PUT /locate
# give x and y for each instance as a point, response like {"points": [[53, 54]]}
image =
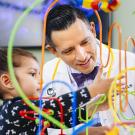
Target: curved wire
{"points": [[43, 42]]}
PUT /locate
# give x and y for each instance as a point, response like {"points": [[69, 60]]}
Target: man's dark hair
{"points": [[62, 17]]}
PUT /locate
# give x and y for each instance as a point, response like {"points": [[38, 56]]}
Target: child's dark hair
{"points": [[17, 52], [16, 62]]}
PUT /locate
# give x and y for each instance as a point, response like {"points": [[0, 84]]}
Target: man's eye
{"points": [[85, 43], [68, 52]]}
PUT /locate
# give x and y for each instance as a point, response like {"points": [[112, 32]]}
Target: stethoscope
{"points": [[52, 91]]}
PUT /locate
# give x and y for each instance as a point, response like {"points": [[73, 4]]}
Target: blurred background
{"points": [[29, 34]]}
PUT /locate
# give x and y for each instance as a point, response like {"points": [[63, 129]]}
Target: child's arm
{"points": [[16, 106], [82, 97]]}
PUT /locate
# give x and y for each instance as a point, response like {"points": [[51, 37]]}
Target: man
{"points": [[69, 38]]}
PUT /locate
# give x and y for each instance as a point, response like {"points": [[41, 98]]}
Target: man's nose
{"points": [[80, 54]]}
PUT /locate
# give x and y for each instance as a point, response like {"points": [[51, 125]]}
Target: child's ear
{"points": [[5, 81]]}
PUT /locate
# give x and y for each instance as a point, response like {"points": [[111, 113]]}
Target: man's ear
{"points": [[5, 81], [52, 50]]}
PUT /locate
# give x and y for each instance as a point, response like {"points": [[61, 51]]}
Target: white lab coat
{"points": [[63, 75]]}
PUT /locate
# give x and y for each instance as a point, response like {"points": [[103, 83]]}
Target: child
{"points": [[27, 72]]}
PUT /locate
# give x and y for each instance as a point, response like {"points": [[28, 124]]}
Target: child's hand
{"points": [[100, 85]]}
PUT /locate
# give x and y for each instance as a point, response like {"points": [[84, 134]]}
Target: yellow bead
{"points": [[46, 123], [114, 131], [104, 6], [86, 3]]}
